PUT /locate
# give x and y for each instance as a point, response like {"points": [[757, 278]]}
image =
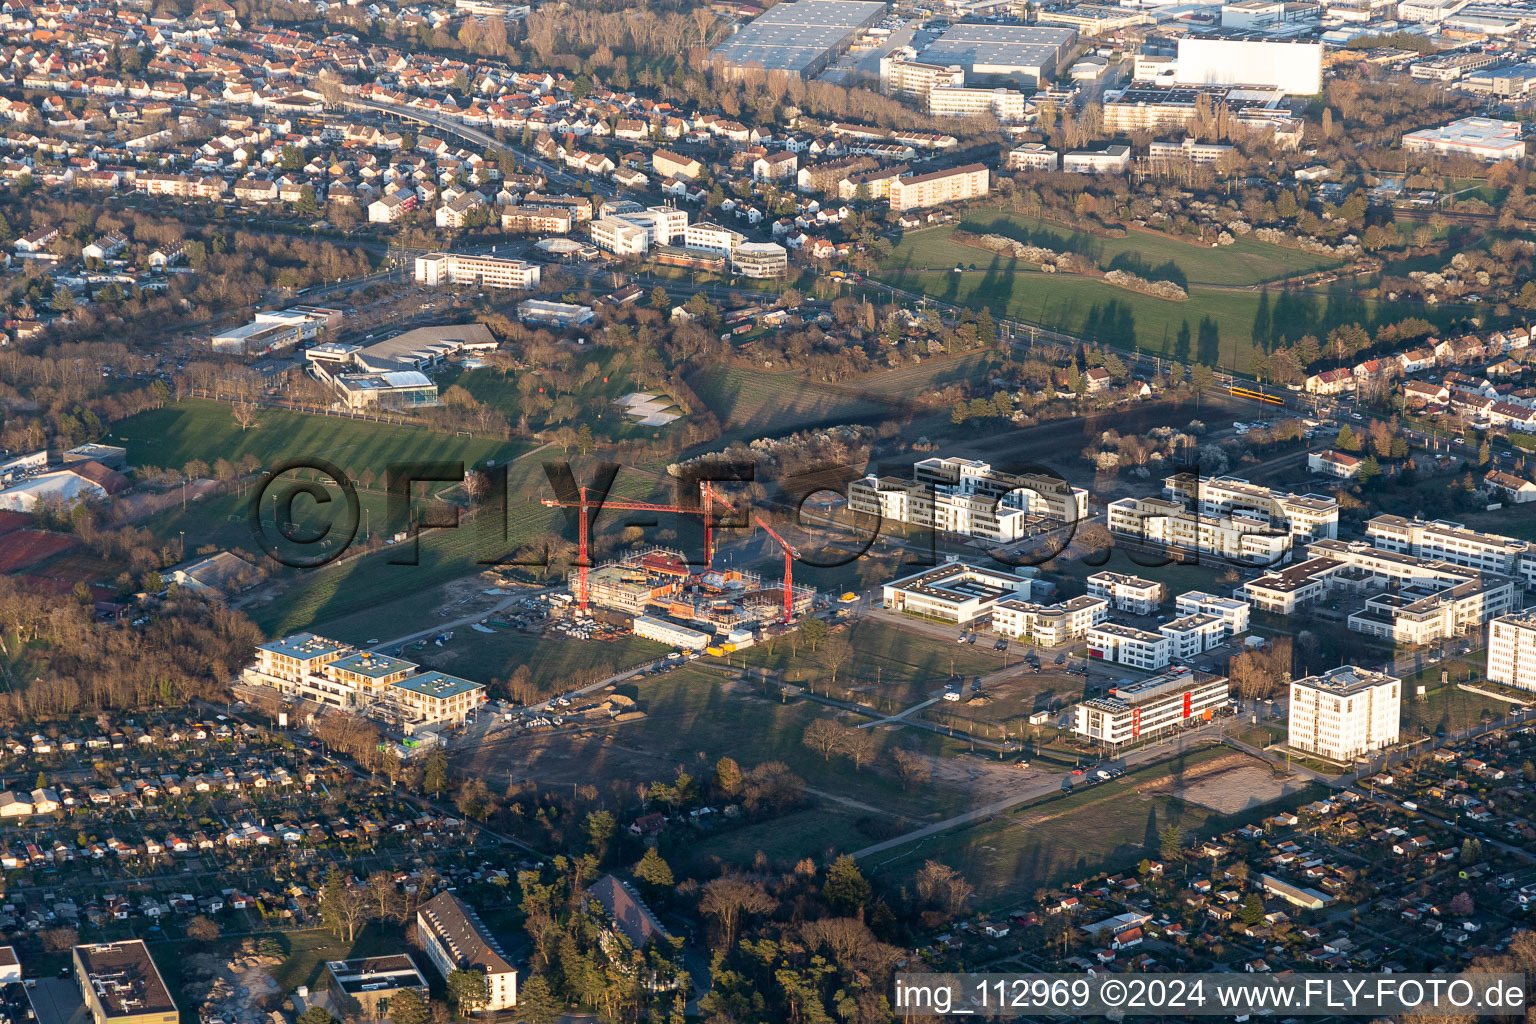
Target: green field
{"points": [[761, 403], [196, 429], [890, 663], [1214, 326], [554, 661], [1109, 826], [1245, 262]]}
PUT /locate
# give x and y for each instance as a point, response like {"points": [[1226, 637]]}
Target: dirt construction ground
{"points": [[1226, 785]]}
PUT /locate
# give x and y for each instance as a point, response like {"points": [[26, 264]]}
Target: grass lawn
{"points": [[1214, 326], [760, 403], [695, 715], [555, 661], [196, 429], [1107, 826], [1446, 709], [817, 832], [889, 662], [1247, 261]]}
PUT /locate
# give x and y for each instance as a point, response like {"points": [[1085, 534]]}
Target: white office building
{"points": [[1193, 635], [1049, 625], [1233, 613], [712, 238], [1126, 593], [463, 270], [953, 592], [620, 237], [663, 225], [1448, 542], [1150, 708], [1127, 645], [1345, 713], [1294, 66], [1512, 651]]}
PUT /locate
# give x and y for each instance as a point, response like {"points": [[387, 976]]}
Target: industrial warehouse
{"points": [[799, 38]]}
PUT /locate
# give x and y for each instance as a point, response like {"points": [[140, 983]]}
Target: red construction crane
{"points": [[789, 570], [584, 522]]}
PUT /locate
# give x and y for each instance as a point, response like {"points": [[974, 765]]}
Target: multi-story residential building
{"points": [[967, 497], [712, 238], [180, 186], [1126, 593], [333, 674], [1169, 526], [1307, 517], [455, 939], [1049, 625], [1127, 645], [1048, 496], [1512, 651], [1448, 542], [536, 220], [1150, 708], [953, 592], [911, 79], [936, 187], [1033, 156], [619, 237], [1233, 613], [670, 165], [760, 260], [1193, 635], [663, 225], [121, 984], [460, 269], [1344, 713], [1409, 600], [959, 101]]}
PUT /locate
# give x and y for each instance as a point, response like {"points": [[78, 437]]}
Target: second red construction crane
{"points": [[789, 570], [585, 515]]}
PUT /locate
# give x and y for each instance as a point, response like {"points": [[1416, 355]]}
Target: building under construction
{"points": [[660, 582]]}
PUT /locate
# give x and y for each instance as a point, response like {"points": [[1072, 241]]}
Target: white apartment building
{"points": [[390, 689], [1114, 159], [966, 497], [1233, 613], [712, 238], [663, 225], [913, 79], [1408, 600], [969, 497], [1448, 542], [1166, 524], [760, 260], [953, 592], [462, 270], [1033, 156], [1345, 713], [1512, 651], [1127, 645], [620, 237], [1150, 708], [1307, 517], [953, 185], [455, 939], [1193, 635], [1126, 593], [1049, 625], [959, 101]]}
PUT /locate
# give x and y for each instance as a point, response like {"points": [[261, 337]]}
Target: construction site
{"points": [[659, 595]]}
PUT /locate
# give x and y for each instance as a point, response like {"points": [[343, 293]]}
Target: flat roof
{"points": [[376, 973], [304, 646], [375, 666], [1025, 47], [438, 684], [959, 581], [1346, 679], [793, 36], [124, 978]]}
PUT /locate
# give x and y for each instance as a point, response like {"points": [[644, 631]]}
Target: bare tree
{"points": [[822, 736], [729, 900]]}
